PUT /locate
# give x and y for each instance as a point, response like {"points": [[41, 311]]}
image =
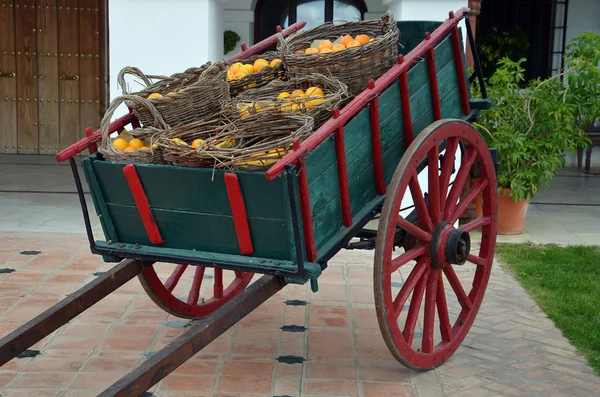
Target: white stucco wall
{"points": [[162, 40]]}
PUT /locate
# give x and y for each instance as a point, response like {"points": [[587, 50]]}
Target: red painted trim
{"points": [[362, 99], [261, 46], [406, 114], [240, 217], [309, 237], [340, 154], [93, 147], [433, 81], [462, 79], [142, 204], [244, 47], [135, 123], [84, 143], [376, 143]]}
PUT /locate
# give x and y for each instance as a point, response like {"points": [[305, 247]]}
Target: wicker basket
{"points": [[354, 66], [252, 143], [335, 92], [194, 95], [148, 134], [258, 79]]}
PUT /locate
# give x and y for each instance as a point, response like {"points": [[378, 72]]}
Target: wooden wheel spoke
{"points": [[476, 224], [442, 309], [420, 205], [447, 166], [416, 231], [218, 287], [461, 295], [413, 310], [172, 281], [460, 180], [434, 184], [411, 282], [408, 256], [457, 211], [429, 314], [477, 260], [196, 284]]}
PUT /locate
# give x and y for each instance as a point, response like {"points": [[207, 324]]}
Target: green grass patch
{"points": [[565, 283]]}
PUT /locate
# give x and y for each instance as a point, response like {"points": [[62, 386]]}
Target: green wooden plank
{"points": [[96, 192], [204, 232], [192, 189], [311, 270]]}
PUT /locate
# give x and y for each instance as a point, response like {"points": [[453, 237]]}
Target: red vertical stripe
{"points": [[406, 114], [309, 238], [433, 82], [462, 79], [376, 143], [340, 154], [93, 146], [240, 217], [143, 206]]}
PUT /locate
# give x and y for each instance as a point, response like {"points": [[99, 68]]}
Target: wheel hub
{"points": [[449, 246]]}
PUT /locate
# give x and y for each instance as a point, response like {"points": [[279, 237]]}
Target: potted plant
{"points": [[535, 126]]}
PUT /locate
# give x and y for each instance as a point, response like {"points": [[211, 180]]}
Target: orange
{"points": [[325, 44], [154, 95], [346, 39], [120, 143], [311, 50], [297, 93], [353, 43], [275, 62], [283, 95], [247, 68], [325, 50], [136, 143], [129, 149], [362, 38], [314, 102], [314, 91], [338, 47], [197, 142], [240, 75], [230, 75], [235, 67], [259, 64]]}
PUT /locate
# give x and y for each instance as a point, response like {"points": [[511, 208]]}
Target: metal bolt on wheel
{"points": [[444, 268]]}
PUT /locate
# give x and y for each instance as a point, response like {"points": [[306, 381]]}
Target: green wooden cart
{"points": [[221, 227]]}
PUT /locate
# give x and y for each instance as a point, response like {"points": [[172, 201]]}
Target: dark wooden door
{"points": [[50, 65]]}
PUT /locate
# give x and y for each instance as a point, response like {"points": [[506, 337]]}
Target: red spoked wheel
{"points": [[437, 264], [195, 297]]}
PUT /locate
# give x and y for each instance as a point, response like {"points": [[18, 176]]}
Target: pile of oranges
{"points": [[347, 41], [287, 102], [239, 70], [134, 144]]}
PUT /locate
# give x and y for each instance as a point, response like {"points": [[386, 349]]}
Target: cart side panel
{"points": [[412, 33], [191, 208], [322, 163]]}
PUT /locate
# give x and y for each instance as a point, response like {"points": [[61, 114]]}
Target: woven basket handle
{"points": [[387, 21], [132, 70], [105, 123]]}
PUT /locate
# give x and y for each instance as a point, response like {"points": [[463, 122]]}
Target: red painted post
{"points": [[142, 204], [376, 142], [405, 102], [244, 47], [93, 147], [462, 79], [238, 210], [433, 82], [309, 238], [340, 154]]}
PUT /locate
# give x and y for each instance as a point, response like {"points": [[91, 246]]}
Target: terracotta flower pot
{"points": [[511, 214], [477, 201]]}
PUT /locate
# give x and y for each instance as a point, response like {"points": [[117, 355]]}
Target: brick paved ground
{"points": [[512, 350]]}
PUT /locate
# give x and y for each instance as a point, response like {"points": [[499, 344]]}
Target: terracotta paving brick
{"points": [[513, 349]]}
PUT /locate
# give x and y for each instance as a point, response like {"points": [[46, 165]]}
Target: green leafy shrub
{"points": [[533, 127]]}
